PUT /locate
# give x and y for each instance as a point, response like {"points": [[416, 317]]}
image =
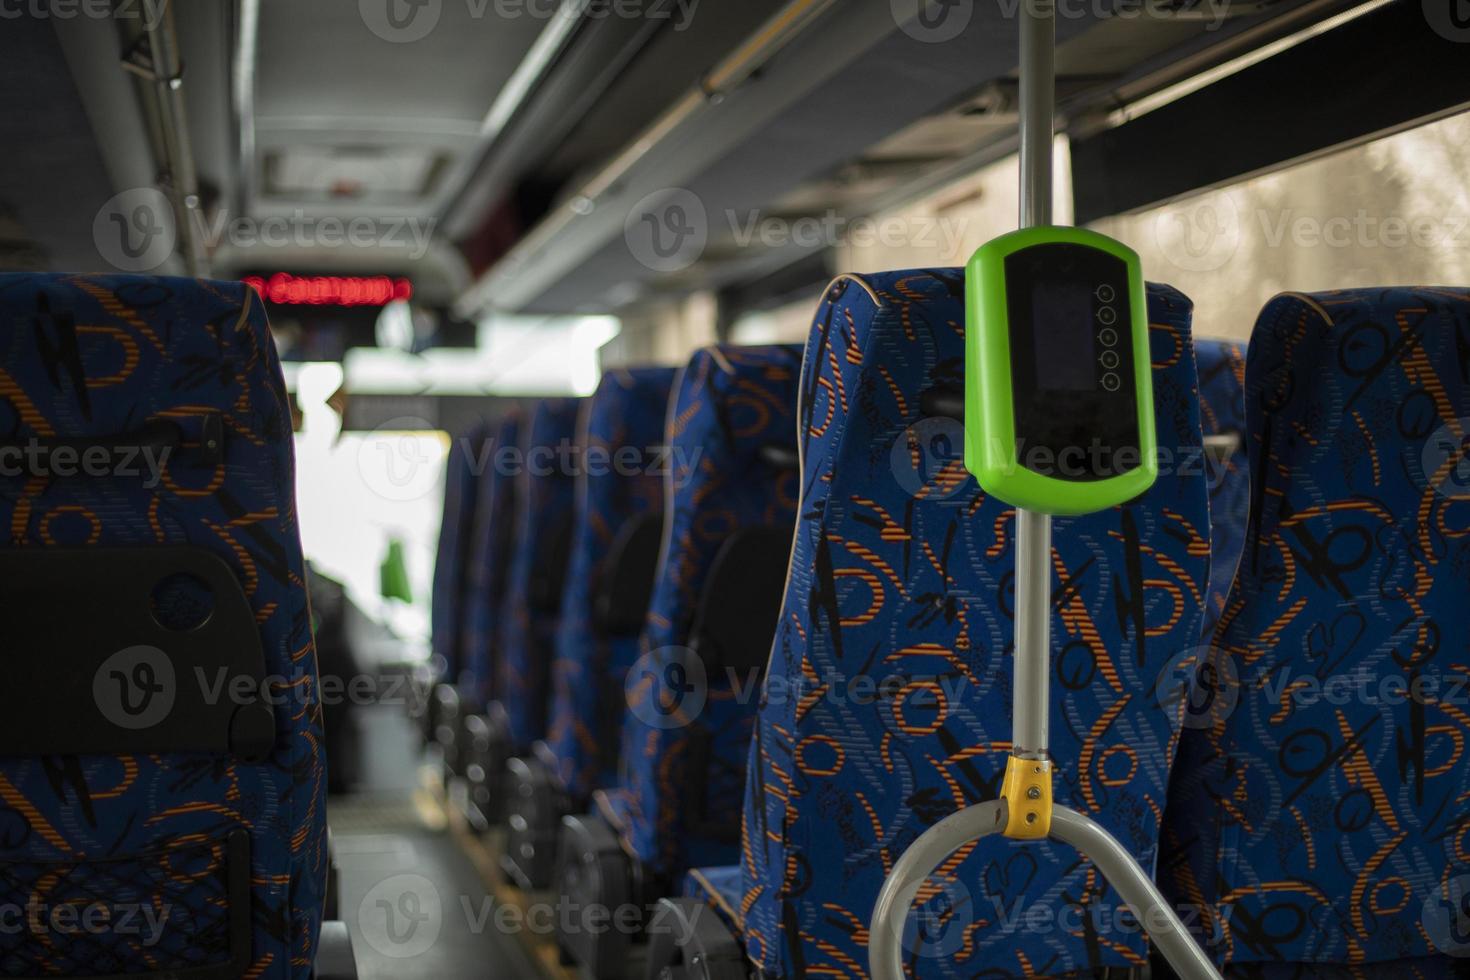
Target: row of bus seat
{"points": [[667, 559], [911, 588], [732, 497], [610, 570], [906, 583], [1298, 831], [1310, 835], [662, 755], [1315, 834]]}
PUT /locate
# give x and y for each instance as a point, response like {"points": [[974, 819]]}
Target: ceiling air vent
{"points": [[359, 173]]}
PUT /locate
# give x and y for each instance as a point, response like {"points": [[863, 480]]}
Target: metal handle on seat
{"points": [[935, 845], [924, 855]]}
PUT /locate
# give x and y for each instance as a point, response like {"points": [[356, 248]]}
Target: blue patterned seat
{"points": [[730, 502], [887, 705], [433, 691], [626, 415], [1318, 813], [732, 406], [532, 605], [452, 559], [1222, 414], [489, 544], [91, 360], [620, 493], [457, 711]]}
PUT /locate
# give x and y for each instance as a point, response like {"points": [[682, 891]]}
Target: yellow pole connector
{"points": [[1027, 792]]}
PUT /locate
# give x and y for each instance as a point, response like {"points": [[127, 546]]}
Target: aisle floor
{"points": [[416, 908]]}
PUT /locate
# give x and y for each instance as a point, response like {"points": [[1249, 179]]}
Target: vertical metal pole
{"points": [[1033, 531], [1038, 99], [1032, 655]]}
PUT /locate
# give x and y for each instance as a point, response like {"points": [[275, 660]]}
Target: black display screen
{"points": [[1072, 371], [1067, 347]]}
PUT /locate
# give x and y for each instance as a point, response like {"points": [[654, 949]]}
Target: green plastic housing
{"points": [[990, 436]]}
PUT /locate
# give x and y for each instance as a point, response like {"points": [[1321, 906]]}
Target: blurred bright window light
{"points": [[516, 355], [357, 491], [316, 381]]}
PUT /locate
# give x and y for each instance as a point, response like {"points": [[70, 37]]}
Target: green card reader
{"points": [[1061, 420]]}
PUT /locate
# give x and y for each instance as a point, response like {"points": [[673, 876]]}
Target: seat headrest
{"points": [[745, 414]]}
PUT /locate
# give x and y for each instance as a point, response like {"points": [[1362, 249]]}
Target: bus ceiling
{"points": [[496, 160]]}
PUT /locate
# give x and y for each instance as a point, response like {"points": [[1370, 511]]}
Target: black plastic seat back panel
{"points": [[93, 670], [741, 601], [626, 583]]}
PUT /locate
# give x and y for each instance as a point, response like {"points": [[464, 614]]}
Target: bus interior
{"points": [[745, 490]]}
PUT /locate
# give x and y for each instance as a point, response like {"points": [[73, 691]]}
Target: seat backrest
{"points": [[619, 483], [731, 433], [887, 705], [490, 546], [158, 508], [1222, 414], [546, 473], [452, 560], [1318, 810]]}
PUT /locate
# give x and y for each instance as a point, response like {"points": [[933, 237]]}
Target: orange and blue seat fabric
{"points": [[622, 481], [1318, 816], [491, 536], [545, 497], [887, 704], [86, 358], [449, 590], [731, 405]]}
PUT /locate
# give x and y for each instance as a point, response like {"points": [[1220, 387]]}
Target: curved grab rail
{"points": [[935, 845], [924, 855]]}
